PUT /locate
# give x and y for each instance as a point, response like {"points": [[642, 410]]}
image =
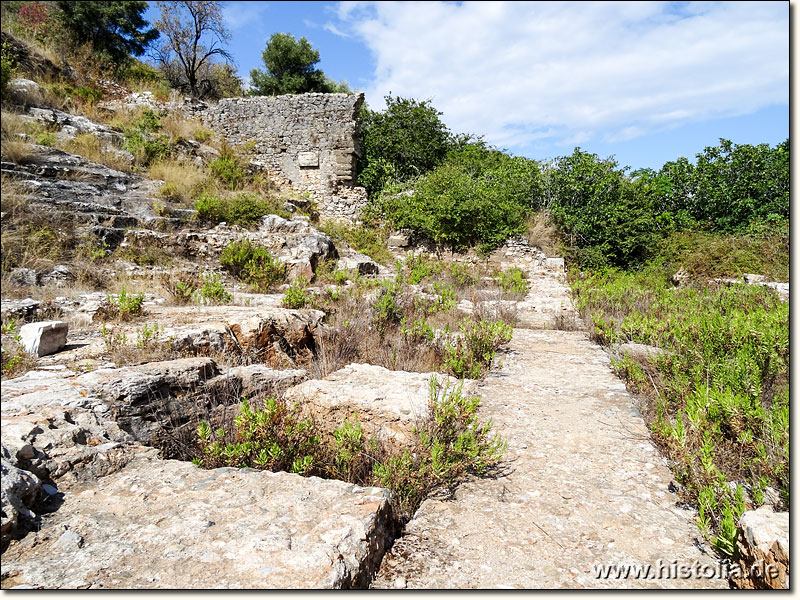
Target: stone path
{"points": [[583, 487]]}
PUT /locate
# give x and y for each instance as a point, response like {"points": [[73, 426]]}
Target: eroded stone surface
{"points": [[583, 486], [388, 403], [168, 524], [763, 550]]}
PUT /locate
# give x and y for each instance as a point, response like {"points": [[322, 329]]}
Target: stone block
{"points": [[308, 159], [168, 524], [557, 264], [43, 338]]}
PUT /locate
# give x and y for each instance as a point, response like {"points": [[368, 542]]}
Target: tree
{"points": [[406, 140], [194, 34], [116, 29], [290, 69]]}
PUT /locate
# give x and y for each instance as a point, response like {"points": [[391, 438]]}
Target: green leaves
{"points": [[290, 69]]}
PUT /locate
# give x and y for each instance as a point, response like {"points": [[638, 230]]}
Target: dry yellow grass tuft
{"points": [[183, 181], [543, 234]]}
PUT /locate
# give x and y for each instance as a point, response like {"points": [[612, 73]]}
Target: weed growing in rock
{"points": [[229, 168], [470, 354], [367, 240], [124, 307], [274, 438], [143, 140], [296, 295], [513, 282], [244, 209], [253, 264], [449, 444], [211, 291]]}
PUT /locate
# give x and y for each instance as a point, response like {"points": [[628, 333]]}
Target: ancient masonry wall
{"points": [[305, 141]]}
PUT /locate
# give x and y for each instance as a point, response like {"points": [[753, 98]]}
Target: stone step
{"points": [[171, 525]]}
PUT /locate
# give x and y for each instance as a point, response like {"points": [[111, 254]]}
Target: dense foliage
{"points": [[117, 29], [477, 196], [290, 69], [406, 140]]}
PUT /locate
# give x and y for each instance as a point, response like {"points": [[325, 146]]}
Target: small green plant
{"points": [[7, 65], [296, 295], [253, 264], [229, 168], [202, 135], [143, 140], [273, 438], [147, 335], [212, 291], [471, 354], [9, 327], [513, 281], [244, 208], [387, 308], [125, 306]]}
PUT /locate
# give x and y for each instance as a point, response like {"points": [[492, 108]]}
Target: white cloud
{"points": [[239, 13], [522, 71]]}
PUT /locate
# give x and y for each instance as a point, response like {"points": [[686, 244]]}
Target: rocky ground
{"points": [[95, 494]]}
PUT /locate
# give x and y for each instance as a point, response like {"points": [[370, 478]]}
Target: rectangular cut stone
{"points": [[168, 524], [390, 403], [308, 159], [43, 338]]}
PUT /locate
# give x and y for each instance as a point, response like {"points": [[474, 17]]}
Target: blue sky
{"points": [[643, 81]]}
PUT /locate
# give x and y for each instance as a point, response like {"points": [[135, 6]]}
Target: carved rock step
{"points": [[390, 403], [168, 524]]}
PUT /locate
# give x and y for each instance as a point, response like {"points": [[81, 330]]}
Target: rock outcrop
{"points": [[170, 525], [763, 550]]}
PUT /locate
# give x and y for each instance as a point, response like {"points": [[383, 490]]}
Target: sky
{"points": [[645, 82]]}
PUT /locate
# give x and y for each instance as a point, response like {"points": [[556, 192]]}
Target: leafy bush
{"points": [[229, 168], [449, 445], [273, 438], [478, 196], [253, 264], [143, 140], [471, 354], [212, 291], [296, 295], [244, 208], [403, 142]]}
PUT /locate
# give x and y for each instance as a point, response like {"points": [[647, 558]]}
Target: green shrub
{"points": [[244, 209], [449, 445], [273, 438], [253, 264], [202, 135], [471, 354], [387, 308], [212, 291], [229, 168], [718, 399], [125, 306], [477, 196], [143, 140], [296, 295], [513, 281], [7, 64]]}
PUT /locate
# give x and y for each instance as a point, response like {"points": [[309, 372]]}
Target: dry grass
{"points": [[183, 181], [543, 234], [94, 149], [178, 127]]}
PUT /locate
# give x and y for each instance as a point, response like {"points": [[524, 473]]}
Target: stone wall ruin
{"points": [[307, 142]]}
